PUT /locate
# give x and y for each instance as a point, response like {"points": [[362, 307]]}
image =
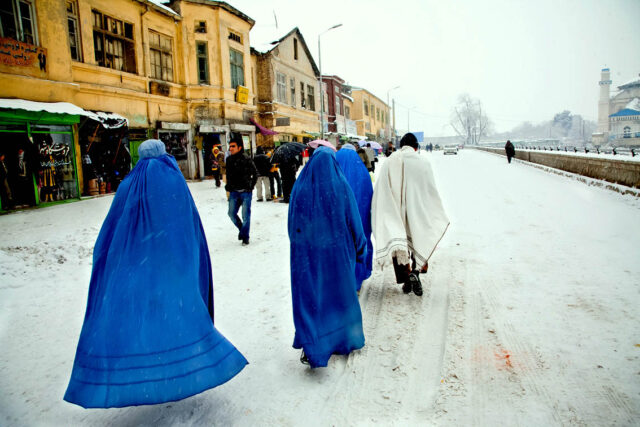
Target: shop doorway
{"points": [[176, 144]]}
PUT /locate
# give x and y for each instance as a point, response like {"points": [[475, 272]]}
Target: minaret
{"points": [[604, 103]]}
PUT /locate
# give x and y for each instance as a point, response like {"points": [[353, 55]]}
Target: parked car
{"points": [[450, 149]]}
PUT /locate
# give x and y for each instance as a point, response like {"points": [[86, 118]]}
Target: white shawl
{"points": [[406, 210]]}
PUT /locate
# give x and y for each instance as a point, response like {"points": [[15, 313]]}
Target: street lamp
{"points": [[393, 125], [321, 92]]}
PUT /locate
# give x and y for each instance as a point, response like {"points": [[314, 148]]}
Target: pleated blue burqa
{"points": [[359, 179], [327, 240], [148, 334]]}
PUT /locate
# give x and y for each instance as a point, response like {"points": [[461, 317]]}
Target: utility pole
{"points": [[393, 126]]}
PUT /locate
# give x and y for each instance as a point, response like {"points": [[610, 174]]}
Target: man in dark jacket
{"points": [[241, 178], [510, 150], [5, 190], [263, 164]]}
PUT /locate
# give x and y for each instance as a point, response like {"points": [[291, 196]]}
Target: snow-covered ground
{"points": [[530, 314]]}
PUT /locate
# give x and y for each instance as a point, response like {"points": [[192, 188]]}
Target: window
{"points": [[366, 108], [203, 63], [281, 82], [235, 37], [627, 132], [302, 100], [113, 43], [311, 102], [337, 110], [295, 49], [161, 56], [74, 30], [378, 114], [17, 21], [201, 27], [292, 88], [237, 68], [347, 112]]}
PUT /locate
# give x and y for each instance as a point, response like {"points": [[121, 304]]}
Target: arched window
{"points": [[627, 132]]}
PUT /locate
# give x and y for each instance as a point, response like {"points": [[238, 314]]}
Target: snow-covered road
{"points": [[530, 314]]}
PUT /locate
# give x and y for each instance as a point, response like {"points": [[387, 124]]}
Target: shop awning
{"points": [[263, 130], [108, 120]]}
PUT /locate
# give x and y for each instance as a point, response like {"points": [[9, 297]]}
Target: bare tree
{"points": [[469, 120]]}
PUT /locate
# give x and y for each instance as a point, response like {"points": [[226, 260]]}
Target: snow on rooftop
{"points": [[164, 6], [50, 107], [634, 105], [632, 82]]}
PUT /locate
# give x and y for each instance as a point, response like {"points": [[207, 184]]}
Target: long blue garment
{"points": [[148, 334], [358, 178], [326, 238]]}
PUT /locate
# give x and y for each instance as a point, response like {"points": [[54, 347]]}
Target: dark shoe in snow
{"points": [[260, 200], [245, 242], [417, 286], [239, 236], [303, 358], [406, 288]]}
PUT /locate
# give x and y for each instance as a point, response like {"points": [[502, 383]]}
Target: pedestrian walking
{"points": [[510, 150], [6, 199], [241, 179], [364, 157], [390, 149], [216, 159], [327, 241], [407, 215], [275, 176], [371, 156], [359, 180], [263, 165], [148, 335], [288, 170]]}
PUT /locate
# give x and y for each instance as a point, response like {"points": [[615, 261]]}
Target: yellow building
{"points": [[288, 101], [180, 72], [371, 115]]}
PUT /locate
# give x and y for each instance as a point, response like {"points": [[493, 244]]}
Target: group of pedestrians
{"points": [[148, 334]]}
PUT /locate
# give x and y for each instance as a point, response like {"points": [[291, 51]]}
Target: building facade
{"points": [[181, 73], [618, 113], [287, 88], [338, 106], [371, 115]]}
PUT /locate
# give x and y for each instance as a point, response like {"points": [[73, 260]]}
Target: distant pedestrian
{"points": [[148, 335], [327, 241], [371, 156], [274, 175], [390, 149], [5, 190], [364, 157], [216, 159], [241, 179], [263, 165], [510, 150], [359, 180], [288, 171], [407, 216]]}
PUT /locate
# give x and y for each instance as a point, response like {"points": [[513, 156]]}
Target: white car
{"points": [[450, 149]]}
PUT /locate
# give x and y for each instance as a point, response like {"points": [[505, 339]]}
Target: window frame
{"points": [[74, 16], [365, 107], [292, 90], [128, 44], [281, 87], [311, 99], [202, 56], [303, 101], [338, 110], [295, 49], [18, 22], [163, 50], [234, 66]]}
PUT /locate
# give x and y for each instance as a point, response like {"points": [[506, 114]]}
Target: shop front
{"points": [[178, 140], [39, 152]]}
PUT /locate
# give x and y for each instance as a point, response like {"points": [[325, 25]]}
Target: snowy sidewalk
{"points": [[529, 315]]}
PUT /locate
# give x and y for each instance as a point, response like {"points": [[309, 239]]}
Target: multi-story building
{"points": [[287, 87], [127, 69], [371, 115], [618, 114], [338, 105]]}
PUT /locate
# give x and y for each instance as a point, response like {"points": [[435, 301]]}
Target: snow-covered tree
{"points": [[469, 120]]}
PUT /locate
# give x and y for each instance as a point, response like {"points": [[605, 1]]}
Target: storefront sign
{"points": [[13, 52], [351, 127], [340, 124], [212, 129], [283, 121], [175, 126], [242, 94]]}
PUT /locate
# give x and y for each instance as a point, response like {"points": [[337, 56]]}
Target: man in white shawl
{"points": [[407, 216]]}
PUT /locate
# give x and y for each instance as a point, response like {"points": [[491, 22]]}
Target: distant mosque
{"points": [[618, 114]]}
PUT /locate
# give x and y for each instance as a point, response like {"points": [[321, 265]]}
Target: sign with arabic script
{"points": [[13, 52]]}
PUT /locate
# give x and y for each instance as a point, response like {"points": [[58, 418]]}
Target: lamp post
{"points": [[321, 91], [393, 130]]}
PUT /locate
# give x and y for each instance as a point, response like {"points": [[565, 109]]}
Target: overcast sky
{"points": [[524, 60]]}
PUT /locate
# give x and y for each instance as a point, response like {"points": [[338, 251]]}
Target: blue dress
{"points": [[359, 179], [326, 238], [148, 335]]}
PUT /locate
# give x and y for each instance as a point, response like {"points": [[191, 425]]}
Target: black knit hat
{"points": [[410, 140]]}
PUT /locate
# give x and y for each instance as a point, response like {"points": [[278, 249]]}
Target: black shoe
{"points": [[406, 288], [260, 200], [303, 358], [239, 236], [245, 242], [417, 286]]}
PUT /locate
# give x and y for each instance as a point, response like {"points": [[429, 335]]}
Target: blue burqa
{"points": [[358, 178], [148, 335], [326, 238]]}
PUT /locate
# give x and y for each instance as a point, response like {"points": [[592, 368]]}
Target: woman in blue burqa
{"points": [[359, 179], [327, 240], [148, 334]]}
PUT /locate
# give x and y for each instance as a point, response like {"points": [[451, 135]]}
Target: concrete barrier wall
{"points": [[617, 171]]}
